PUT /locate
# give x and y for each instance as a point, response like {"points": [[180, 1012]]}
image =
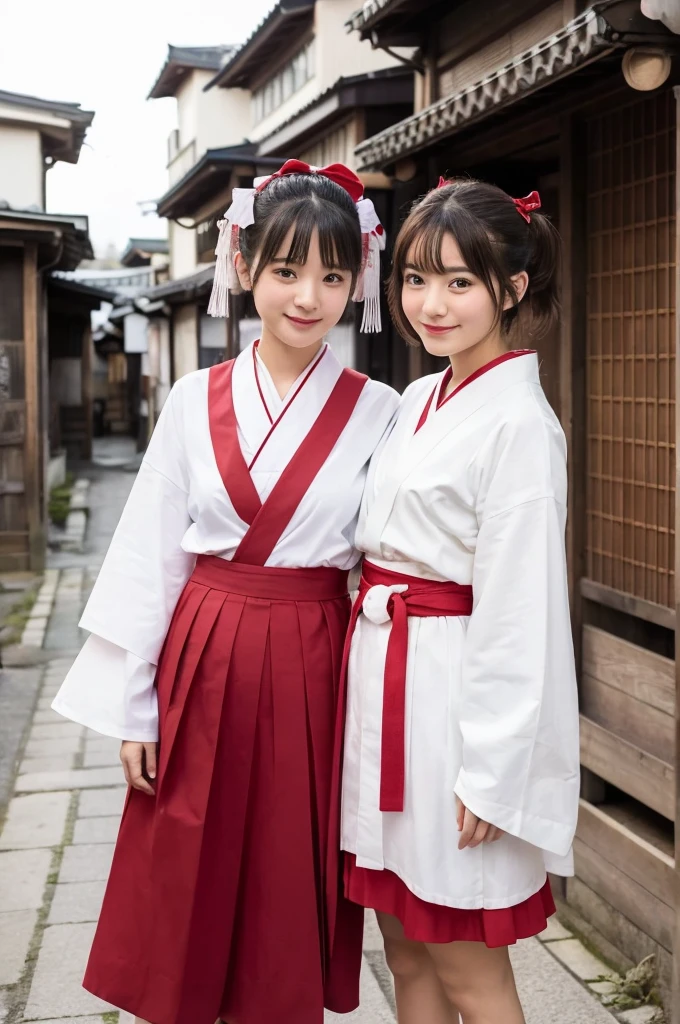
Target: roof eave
{"points": [[365, 20], [342, 97], [173, 203], [238, 72], [584, 40]]}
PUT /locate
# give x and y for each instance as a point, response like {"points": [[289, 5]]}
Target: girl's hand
{"points": [[473, 830], [139, 765]]}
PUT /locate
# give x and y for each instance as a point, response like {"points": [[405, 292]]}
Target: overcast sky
{"points": [[106, 57]]}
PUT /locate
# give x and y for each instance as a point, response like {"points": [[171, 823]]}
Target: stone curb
{"points": [[36, 625]]}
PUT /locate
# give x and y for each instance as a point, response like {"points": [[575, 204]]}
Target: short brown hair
{"points": [[496, 243]]}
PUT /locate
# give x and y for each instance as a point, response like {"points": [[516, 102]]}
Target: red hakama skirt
{"points": [[430, 922], [224, 897]]}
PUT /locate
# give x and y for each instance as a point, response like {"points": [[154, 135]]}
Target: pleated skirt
{"points": [[217, 902], [430, 922]]}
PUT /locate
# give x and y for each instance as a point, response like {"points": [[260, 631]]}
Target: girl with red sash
{"points": [[461, 757], [218, 621]]}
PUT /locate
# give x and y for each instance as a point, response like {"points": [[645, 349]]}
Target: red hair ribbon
{"points": [[338, 173], [526, 205], [442, 182]]}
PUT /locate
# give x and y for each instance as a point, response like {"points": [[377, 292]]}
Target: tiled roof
{"points": [[580, 41]]}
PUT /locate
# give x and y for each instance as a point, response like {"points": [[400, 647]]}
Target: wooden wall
{"points": [[631, 349], [13, 514], [623, 482]]}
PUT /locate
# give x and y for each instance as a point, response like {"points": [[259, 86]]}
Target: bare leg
{"points": [[419, 993], [479, 981]]}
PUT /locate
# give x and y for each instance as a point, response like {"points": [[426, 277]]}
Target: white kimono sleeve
{"points": [[518, 709], [110, 686]]}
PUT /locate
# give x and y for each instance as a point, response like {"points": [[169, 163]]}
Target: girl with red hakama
{"points": [[461, 764], [218, 621]]}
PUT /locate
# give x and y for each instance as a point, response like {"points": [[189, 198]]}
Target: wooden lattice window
{"points": [[631, 349]]}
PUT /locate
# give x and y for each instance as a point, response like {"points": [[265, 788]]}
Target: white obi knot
{"points": [[377, 599]]}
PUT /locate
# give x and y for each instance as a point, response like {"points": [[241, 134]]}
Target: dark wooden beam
{"points": [[86, 386], [33, 448], [591, 590], [675, 987], [572, 372]]}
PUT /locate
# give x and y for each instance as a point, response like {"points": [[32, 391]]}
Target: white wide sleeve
{"points": [[518, 708], [110, 686], [110, 690]]}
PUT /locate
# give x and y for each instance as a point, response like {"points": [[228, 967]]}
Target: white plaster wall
{"points": [[21, 167], [339, 53], [188, 96], [213, 119], [185, 340], [223, 116], [309, 91], [182, 250]]}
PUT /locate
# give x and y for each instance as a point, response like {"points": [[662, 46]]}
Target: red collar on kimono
{"points": [[446, 379], [275, 422]]}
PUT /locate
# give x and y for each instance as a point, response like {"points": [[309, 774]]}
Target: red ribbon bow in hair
{"points": [[338, 173], [526, 205]]}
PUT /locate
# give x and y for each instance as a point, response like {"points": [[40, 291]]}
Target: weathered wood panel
{"points": [[632, 670], [648, 866], [11, 292], [654, 917], [625, 944], [631, 719], [34, 470], [637, 773], [13, 519]]}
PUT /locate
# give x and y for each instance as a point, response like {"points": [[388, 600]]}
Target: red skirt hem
{"points": [[431, 922]]}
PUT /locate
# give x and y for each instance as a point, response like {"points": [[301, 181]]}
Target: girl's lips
{"points": [[432, 329], [303, 323]]}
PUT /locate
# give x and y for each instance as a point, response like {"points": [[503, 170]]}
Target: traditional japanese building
{"points": [[45, 343]]}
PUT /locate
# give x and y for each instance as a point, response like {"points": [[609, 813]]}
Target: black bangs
{"points": [[304, 203], [339, 236]]}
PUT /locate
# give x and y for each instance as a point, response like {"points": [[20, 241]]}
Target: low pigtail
{"points": [[543, 265]]}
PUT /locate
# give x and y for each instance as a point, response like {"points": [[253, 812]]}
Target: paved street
{"points": [[61, 823]]}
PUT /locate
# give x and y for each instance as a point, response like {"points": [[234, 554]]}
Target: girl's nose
{"points": [[306, 295], [434, 303]]}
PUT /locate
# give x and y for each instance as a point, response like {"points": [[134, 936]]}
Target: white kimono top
{"points": [[179, 508], [477, 496]]}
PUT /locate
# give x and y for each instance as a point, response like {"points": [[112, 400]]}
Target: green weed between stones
{"points": [[60, 501], [638, 987], [12, 626]]}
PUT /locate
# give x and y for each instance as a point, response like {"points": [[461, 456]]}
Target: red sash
{"points": [[422, 599], [268, 520]]}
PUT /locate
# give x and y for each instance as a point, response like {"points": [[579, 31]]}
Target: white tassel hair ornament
{"points": [[241, 214]]}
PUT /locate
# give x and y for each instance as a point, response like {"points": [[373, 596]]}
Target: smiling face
{"points": [[451, 312], [297, 302]]}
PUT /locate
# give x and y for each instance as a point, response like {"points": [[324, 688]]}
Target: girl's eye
{"points": [[333, 279], [413, 279], [461, 283], [285, 273]]}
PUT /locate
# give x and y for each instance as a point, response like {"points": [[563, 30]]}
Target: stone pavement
{"points": [[60, 827]]}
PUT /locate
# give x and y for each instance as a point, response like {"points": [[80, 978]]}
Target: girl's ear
{"points": [[243, 273], [520, 282]]}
